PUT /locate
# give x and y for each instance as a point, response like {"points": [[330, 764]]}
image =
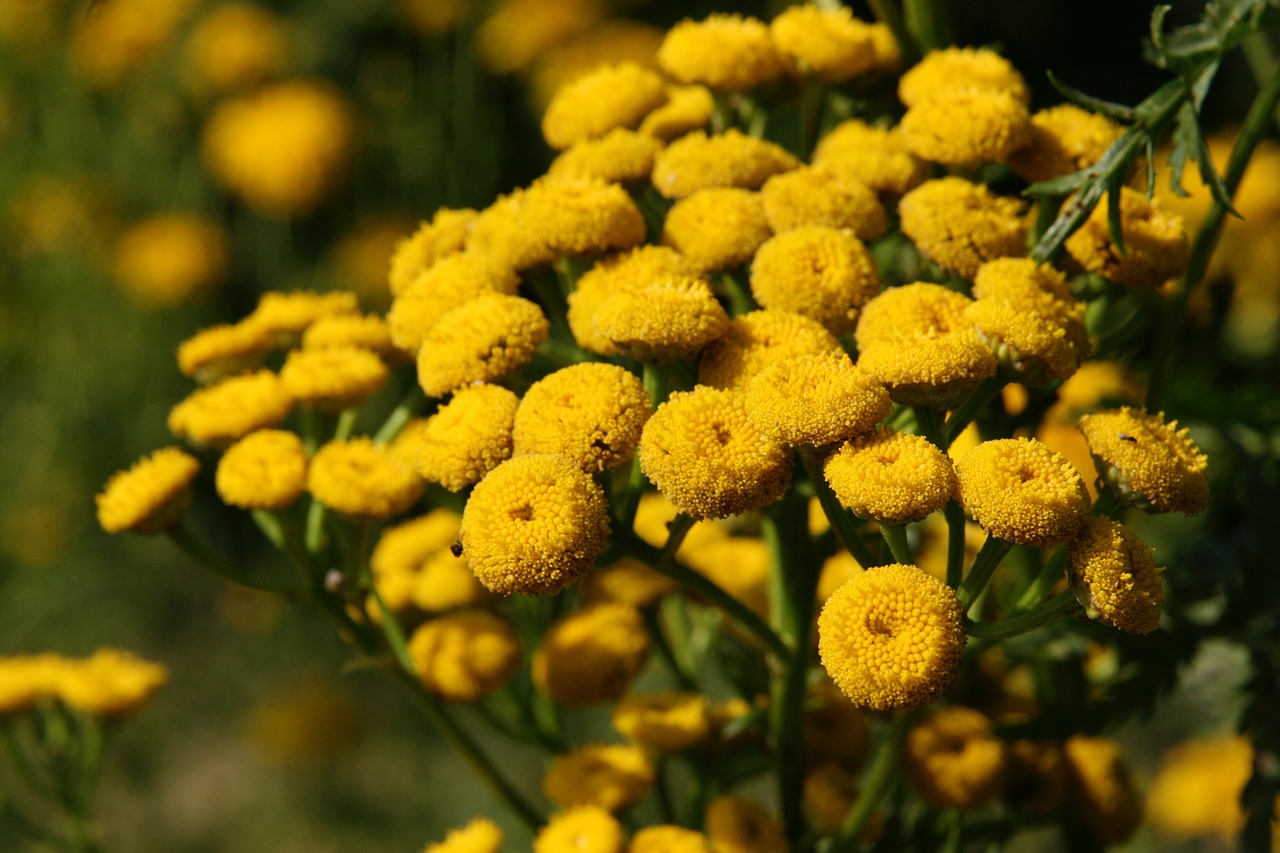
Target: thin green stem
{"points": [[812, 100], [184, 538], [964, 414], [888, 13], [1062, 604], [631, 497], [563, 354], [954, 515], [656, 382], [740, 300], [984, 566], [874, 785], [677, 529], [930, 424], [410, 404], [895, 536], [927, 21], [346, 424], [315, 538], [1046, 580], [660, 622], [841, 521]]}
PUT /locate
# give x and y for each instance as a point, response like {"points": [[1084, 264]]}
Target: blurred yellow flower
{"points": [[1116, 575], [368, 332], [332, 379], [413, 564], [613, 40], [967, 127], [605, 98], [445, 234], [668, 722], [465, 655], [738, 825], [113, 38], [722, 52], [669, 838], [829, 43], [169, 258], [876, 156], [611, 776], [819, 195], [149, 497], [110, 683], [942, 72], [1064, 139], [591, 656], [231, 408], [1196, 792], [581, 829], [1102, 788], [953, 760], [25, 680], [731, 159], [516, 32], [305, 720], [433, 18], [620, 156], [266, 469], [286, 316], [687, 108], [1156, 248], [236, 46], [225, 350], [481, 835]]}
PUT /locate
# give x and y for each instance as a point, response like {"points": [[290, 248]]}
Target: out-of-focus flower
{"points": [[585, 829], [229, 409], [738, 825], [170, 258], [1116, 576], [465, 655], [663, 721], [967, 127], [1102, 788], [876, 156], [109, 683], [481, 835], [953, 760], [610, 776], [305, 721], [266, 469], [1196, 792], [151, 496], [604, 99], [591, 656], [236, 46], [516, 32], [728, 52], [1064, 139], [828, 43], [942, 72], [731, 159], [1156, 249], [113, 38]]}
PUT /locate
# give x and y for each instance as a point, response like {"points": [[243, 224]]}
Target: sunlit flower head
{"points": [[893, 478], [413, 564], [891, 637], [151, 496], [731, 159], [465, 655], [960, 225], [1102, 788], [942, 72], [581, 829], [722, 52], [876, 156], [481, 340], [953, 760], [286, 315], [109, 683], [590, 414], [1147, 461], [231, 408], [1116, 576], [438, 289], [611, 41], [667, 722], [1196, 792], [1156, 249], [703, 452], [818, 195], [611, 776], [508, 231], [738, 825], [718, 228], [445, 234], [628, 582], [621, 156], [661, 320], [758, 338], [1064, 139], [223, 350], [582, 217], [599, 101], [333, 379], [818, 272], [828, 43], [266, 469], [613, 274], [467, 437], [363, 480], [591, 656], [481, 835], [236, 46], [967, 127], [669, 838], [169, 258], [687, 108], [815, 400], [1022, 492]]}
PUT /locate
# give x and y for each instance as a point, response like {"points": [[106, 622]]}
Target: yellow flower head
{"points": [[590, 414], [815, 400], [878, 157], [1096, 383], [224, 350], [722, 52], [1022, 492], [717, 228], [516, 32], [120, 36], [893, 478], [621, 156], [669, 838], [1102, 788], [817, 272], [687, 108], [943, 72], [582, 217], [481, 340], [481, 835], [1156, 250], [151, 496], [1064, 139], [909, 311], [731, 159], [830, 792], [109, 683], [236, 46], [287, 315], [891, 637], [757, 339], [967, 127], [438, 289], [334, 379], [828, 43], [363, 480], [582, 829], [1115, 574], [610, 275], [266, 469], [508, 231], [953, 760], [368, 332], [610, 776], [819, 195], [445, 234], [609, 97], [533, 525], [610, 41], [738, 825], [591, 656], [219, 414], [1148, 462], [414, 560], [282, 149], [1197, 791], [667, 722], [662, 320], [960, 225], [836, 569], [738, 564], [26, 679], [626, 582], [702, 450], [166, 259], [467, 437], [465, 655]]}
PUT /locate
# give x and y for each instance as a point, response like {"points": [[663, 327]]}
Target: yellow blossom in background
{"points": [[817, 195], [286, 316], [414, 562], [516, 32], [818, 272], [1196, 792], [668, 722], [815, 400], [110, 683], [830, 792], [266, 469], [717, 228], [662, 320], [231, 408], [113, 38], [620, 156], [687, 108], [306, 720], [836, 569], [433, 18], [942, 72], [450, 282], [1116, 576], [613, 40], [609, 97], [481, 835], [967, 127], [591, 656], [626, 582], [1147, 461], [722, 52], [368, 332], [25, 680], [1036, 778], [170, 258], [1064, 139], [481, 340], [611, 776], [758, 338], [225, 350], [893, 478], [953, 760], [150, 496], [48, 214], [829, 43], [465, 655], [876, 156], [443, 235], [235, 46], [731, 159], [669, 838], [1097, 384], [960, 225], [737, 564], [358, 261], [467, 437], [834, 729], [1156, 249], [27, 25], [363, 480], [1102, 788], [332, 379], [1022, 492], [738, 825]]}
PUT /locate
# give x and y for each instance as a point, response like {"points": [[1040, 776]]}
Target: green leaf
{"points": [[1183, 145], [1116, 112], [1115, 226], [1062, 185]]}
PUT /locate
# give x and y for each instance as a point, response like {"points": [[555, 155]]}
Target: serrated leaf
{"points": [[1116, 112], [1157, 26]]}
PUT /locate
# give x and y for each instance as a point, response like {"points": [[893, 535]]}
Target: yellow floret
{"points": [[364, 480], [435, 291], [1156, 250], [953, 760], [169, 258], [467, 437], [151, 496], [610, 275], [1196, 792], [818, 195], [224, 350], [1148, 462], [228, 410], [722, 51], [717, 228], [662, 320], [1102, 788], [609, 97], [669, 838], [620, 156], [817, 272], [1064, 139], [287, 315], [415, 560], [612, 777], [266, 469], [738, 825], [331, 380], [893, 478], [942, 72], [688, 108], [878, 157], [482, 339], [757, 339], [829, 43], [463, 656], [960, 225], [479, 836], [110, 683], [591, 656], [668, 722], [445, 234], [732, 159], [235, 46], [1115, 574], [368, 332], [967, 127], [583, 829], [508, 231], [815, 400], [1022, 492]]}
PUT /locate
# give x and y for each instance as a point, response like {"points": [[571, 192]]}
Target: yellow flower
{"points": [[1064, 139], [953, 760], [467, 437], [582, 829], [830, 792], [120, 36], [609, 97], [1156, 250], [465, 655], [829, 43], [669, 838], [718, 228], [151, 496], [610, 275], [1102, 788], [738, 825], [960, 225], [1196, 792], [229, 409], [582, 217], [1148, 462], [433, 18], [414, 559], [266, 469], [283, 149], [738, 564], [876, 156], [1022, 492], [757, 339], [967, 127], [358, 258], [731, 159], [236, 46], [620, 157], [110, 683], [287, 315], [438, 289], [445, 234], [610, 41], [516, 32], [479, 836], [334, 379], [628, 582], [836, 569], [818, 272], [722, 52], [610, 776], [1096, 383], [668, 722], [1115, 574], [819, 195], [368, 332], [534, 524], [167, 259], [662, 320], [481, 340], [891, 638], [703, 452], [815, 400], [893, 478], [591, 414], [688, 108], [942, 72], [591, 656], [224, 350], [363, 480], [27, 679], [509, 231]]}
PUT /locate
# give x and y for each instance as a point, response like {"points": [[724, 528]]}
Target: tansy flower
{"points": [[266, 469], [481, 340], [166, 259], [120, 36], [1036, 779], [591, 656], [109, 683], [817, 272], [669, 838], [703, 452], [287, 315], [334, 379], [891, 638], [590, 414], [687, 108], [815, 400], [967, 127], [953, 760], [1196, 792], [445, 234], [599, 101], [830, 792], [282, 149], [364, 480], [1022, 492], [664, 721], [358, 258], [467, 437], [817, 195], [1147, 461], [759, 338], [718, 228], [911, 310], [25, 680], [582, 217], [738, 825], [1030, 318], [722, 51], [438, 289], [481, 835], [1102, 788], [582, 829], [893, 478], [828, 43], [1064, 139], [533, 525], [508, 231], [609, 275], [1115, 575], [223, 350], [516, 32], [610, 776], [415, 558], [876, 156], [151, 496], [366, 331], [942, 72], [621, 156], [737, 564], [731, 159], [465, 655], [1156, 250], [960, 225], [626, 582], [663, 320], [231, 408], [236, 46], [610, 41]]}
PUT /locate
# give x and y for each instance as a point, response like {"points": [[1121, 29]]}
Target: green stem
{"points": [[984, 565], [887, 13], [314, 538], [660, 623], [740, 299], [656, 382], [969, 409], [954, 515], [930, 424], [410, 404], [895, 535], [841, 521], [873, 786], [631, 497], [346, 424], [1046, 580], [927, 21], [1062, 604], [563, 354], [811, 102], [182, 536]]}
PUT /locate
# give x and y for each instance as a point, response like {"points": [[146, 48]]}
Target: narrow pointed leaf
{"points": [[1114, 223], [1116, 112], [1061, 185]]}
